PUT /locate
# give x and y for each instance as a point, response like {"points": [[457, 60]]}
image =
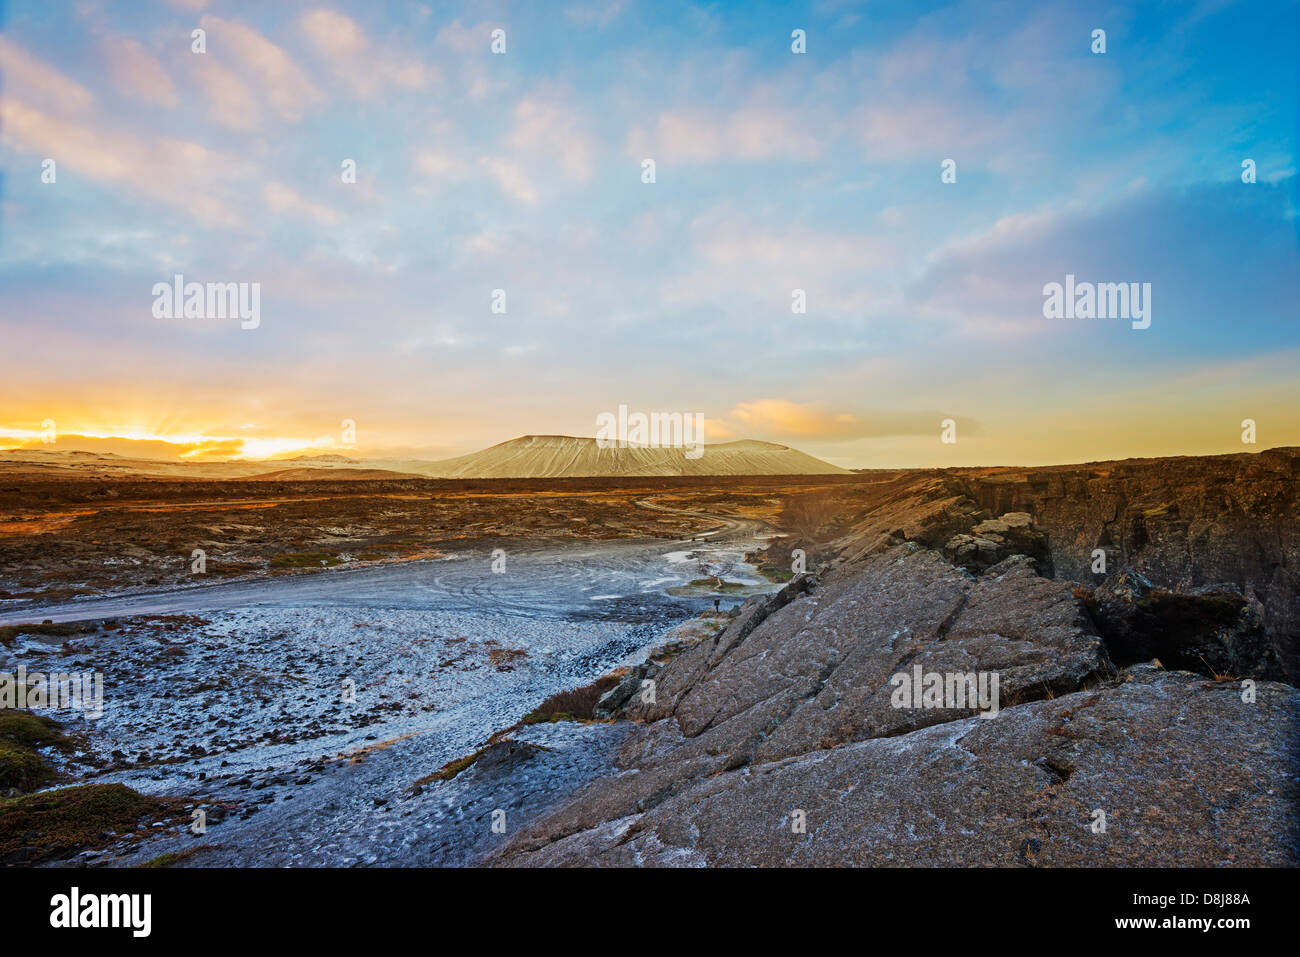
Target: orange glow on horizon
{"points": [[184, 447]]}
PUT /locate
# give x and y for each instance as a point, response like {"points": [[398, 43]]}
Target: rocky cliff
{"points": [[1181, 523], [953, 685]]}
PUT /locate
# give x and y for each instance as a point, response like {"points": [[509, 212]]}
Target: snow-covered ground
{"points": [[300, 712]]}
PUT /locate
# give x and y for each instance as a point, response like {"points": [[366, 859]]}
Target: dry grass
{"points": [[56, 824], [575, 704]]}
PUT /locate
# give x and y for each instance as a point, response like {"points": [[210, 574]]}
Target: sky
{"points": [[774, 171]]}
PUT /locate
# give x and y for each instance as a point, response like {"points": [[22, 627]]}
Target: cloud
{"points": [[1220, 260], [740, 262], [598, 15], [278, 79], [231, 103], [511, 178], [783, 417], [137, 73], [547, 130], [438, 165], [176, 172], [29, 78], [356, 62], [459, 38], [546, 124], [934, 128], [165, 448], [757, 131], [737, 241], [333, 34], [784, 420], [282, 199]]}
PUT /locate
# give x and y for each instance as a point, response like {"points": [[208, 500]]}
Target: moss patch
{"points": [[453, 768], [24, 728], [712, 586], [57, 824], [575, 704], [174, 857], [775, 573], [10, 633], [22, 766], [305, 560]]}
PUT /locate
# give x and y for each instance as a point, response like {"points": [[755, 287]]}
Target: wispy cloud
{"points": [[776, 172], [356, 63], [30, 78], [137, 73], [278, 79], [181, 174]]}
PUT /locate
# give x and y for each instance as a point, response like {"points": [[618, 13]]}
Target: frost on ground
{"points": [[304, 716], [313, 724]]}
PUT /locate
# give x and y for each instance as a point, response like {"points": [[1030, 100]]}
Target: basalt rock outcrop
{"points": [[1213, 627], [1036, 786], [1121, 731], [997, 539], [1182, 523]]}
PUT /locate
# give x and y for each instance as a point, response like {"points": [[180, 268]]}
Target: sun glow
{"points": [[183, 446]]}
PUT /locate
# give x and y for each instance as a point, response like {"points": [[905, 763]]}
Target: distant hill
{"points": [[529, 456], [565, 456], [332, 474]]}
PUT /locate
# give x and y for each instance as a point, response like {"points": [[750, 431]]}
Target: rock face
{"points": [[817, 672], [1024, 789], [996, 540], [1181, 523], [1213, 626], [933, 696]]}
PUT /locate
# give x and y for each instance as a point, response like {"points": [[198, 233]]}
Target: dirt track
{"points": [[541, 579]]}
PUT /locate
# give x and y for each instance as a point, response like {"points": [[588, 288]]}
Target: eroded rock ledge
{"points": [[788, 712]]}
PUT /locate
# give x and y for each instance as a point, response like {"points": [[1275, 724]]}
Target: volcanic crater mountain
{"points": [[525, 457], [563, 456]]}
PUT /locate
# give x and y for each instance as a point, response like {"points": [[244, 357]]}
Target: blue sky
{"points": [[775, 171]]}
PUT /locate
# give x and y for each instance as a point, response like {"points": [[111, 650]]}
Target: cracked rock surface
{"points": [[1019, 790], [780, 741]]}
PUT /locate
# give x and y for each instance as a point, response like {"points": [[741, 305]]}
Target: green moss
{"points": [[775, 573], [22, 768], [9, 633], [30, 730], [174, 857], [305, 560], [718, 585], [55, 824], [453, 768]]}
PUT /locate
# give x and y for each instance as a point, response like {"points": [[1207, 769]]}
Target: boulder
{"points": [[1212, 629], [995, 540]]}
